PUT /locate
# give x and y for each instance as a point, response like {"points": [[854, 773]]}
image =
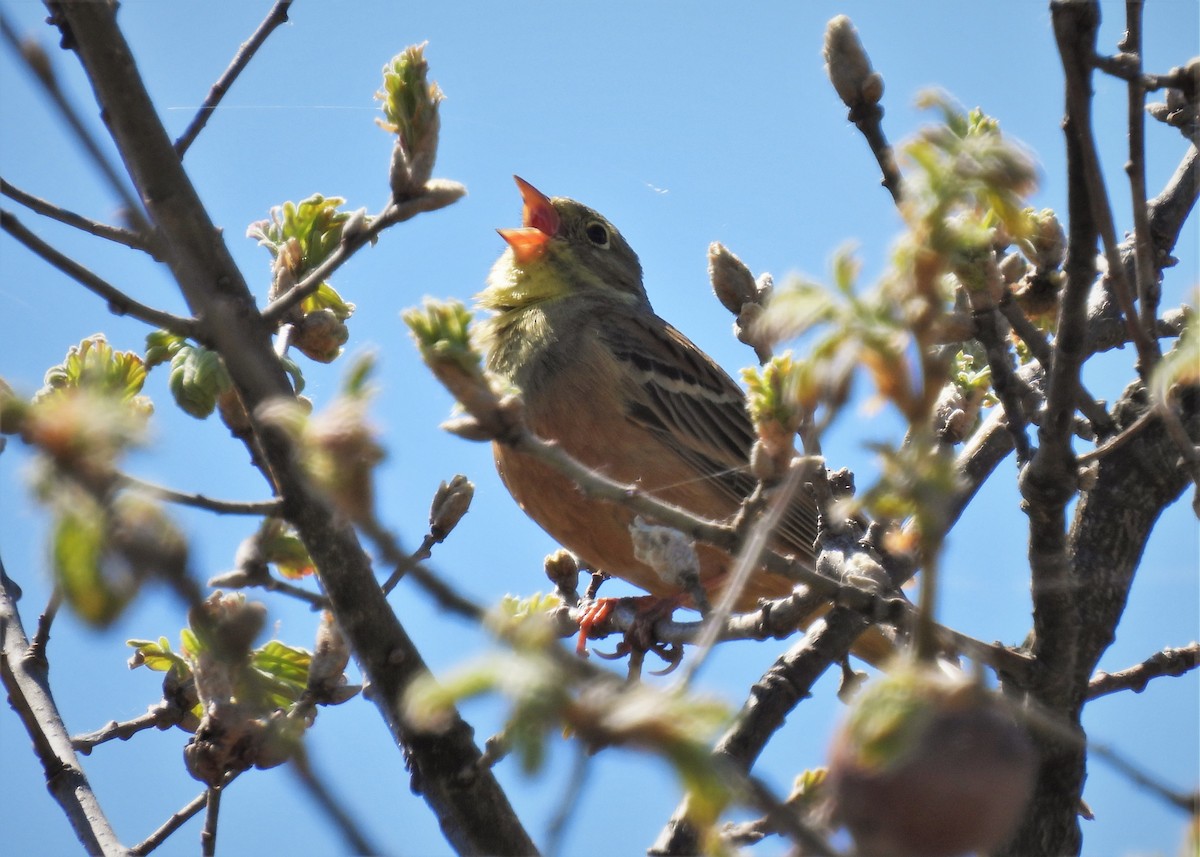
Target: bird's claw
{"points": [[638, 640]]}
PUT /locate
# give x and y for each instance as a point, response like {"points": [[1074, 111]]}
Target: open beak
{"points": [[539, 223]]}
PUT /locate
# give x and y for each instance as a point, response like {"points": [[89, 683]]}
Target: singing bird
{"points": [[622, 391]]}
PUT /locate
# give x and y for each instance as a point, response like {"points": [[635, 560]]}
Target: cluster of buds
{"points": [[741, 294]]}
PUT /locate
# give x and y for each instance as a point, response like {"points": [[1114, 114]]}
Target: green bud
{"points": [[410, 109]]}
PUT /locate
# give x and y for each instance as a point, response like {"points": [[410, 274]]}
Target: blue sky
{"points": [[683, 125]]}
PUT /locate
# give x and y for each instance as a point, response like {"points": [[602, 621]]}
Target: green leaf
{"points": [[282, 548], [95, 589], [157, 656], [161, 346], [198, 377], [442, 330], [302, 235], [93, 366]]}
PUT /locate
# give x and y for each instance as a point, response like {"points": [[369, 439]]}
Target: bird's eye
{"points": [[597, 233]]}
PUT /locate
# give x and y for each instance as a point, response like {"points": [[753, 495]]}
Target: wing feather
{"points": [[678, 392]]}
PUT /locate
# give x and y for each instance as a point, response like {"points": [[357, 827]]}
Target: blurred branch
{"points": [[27, 683], [475, 815], [199, 501], [277, 16], [1129, 69], [101, 230], [1189, 802], [355, 841], [1004, 378], [119, 303], [1117, 441], [772, 697], [38, 63], [1168, 662]]}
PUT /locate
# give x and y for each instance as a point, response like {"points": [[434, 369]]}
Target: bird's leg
{"points": [[640, 635], [598, 578]]}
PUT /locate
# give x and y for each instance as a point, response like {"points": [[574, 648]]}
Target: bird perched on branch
{"points": [[622, 391]]}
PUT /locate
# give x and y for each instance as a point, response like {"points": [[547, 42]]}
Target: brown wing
{"points": [[699, 412]]}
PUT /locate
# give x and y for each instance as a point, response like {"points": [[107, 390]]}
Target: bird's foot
{"points": [[639, 637]]}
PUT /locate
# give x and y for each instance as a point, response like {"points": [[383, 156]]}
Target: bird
{"points": [[570, 325]]}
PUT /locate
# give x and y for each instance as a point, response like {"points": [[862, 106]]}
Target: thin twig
{"points": [[1168, 662], [276, 17], [445, 594], [1145, 273], [424, 552], [1189, 802], [772, 697], [1040, 348], [176, 821], [119, 303], [1004, 379], [1079, 105], [438, 193], [101, 230], [747, 559], [557, 825], [41, 637], [785, 821], [38, 63], [283, 587], [152, 719], [1117, 441], [212, 815], [199, 501]]}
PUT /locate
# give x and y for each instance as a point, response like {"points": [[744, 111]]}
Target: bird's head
{"points": [[562, 249]]}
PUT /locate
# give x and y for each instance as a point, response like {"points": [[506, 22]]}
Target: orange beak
{"points": [[539, 223]]}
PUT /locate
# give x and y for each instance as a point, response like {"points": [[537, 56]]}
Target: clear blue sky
{"points": [[684, 125]]}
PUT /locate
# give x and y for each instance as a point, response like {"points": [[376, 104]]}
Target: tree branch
{"points": [[473, 811], [1168, 662], [1004, 379], [101, 230], [355, 840], [277, 16], [438, 193], [152, 719], [199, 501], [772, 697], [119, 303], [27, 682], [1145, 271], [42, 69], [1050, 480]]}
